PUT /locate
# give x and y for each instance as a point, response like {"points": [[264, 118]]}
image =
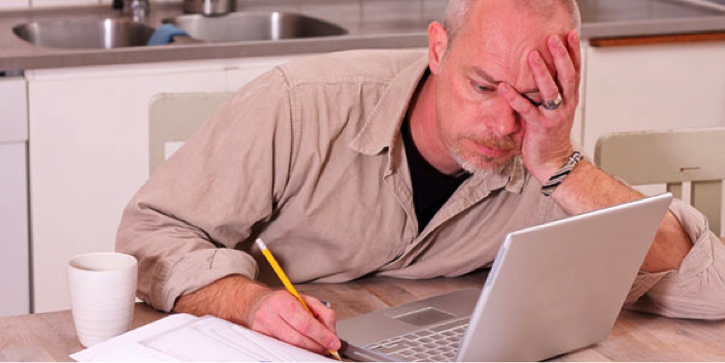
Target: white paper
{"points": [[183, 337], [125, 347]]}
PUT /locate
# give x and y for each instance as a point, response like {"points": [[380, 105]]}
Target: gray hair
{"points": [[457, 12]]}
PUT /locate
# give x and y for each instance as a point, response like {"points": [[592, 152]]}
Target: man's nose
{"points": [[505, 121]]}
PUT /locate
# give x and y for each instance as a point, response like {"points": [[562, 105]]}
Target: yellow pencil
{"points": [[287, 284]]}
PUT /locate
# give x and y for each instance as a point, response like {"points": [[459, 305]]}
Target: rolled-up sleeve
{"points": [[697, 288], [184, 224]]}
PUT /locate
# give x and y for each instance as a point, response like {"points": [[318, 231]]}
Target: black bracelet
{"points": [[560, 174]]}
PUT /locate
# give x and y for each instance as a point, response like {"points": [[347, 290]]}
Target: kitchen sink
{"points": [[116, 33], [85, 34], [250, 26]]}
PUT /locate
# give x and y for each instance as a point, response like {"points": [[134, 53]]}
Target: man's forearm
{"points": [[231, 298], [588, 188]]}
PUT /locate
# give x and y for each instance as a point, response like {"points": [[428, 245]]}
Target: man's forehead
{"points": [[497, 64], [498, 51]]}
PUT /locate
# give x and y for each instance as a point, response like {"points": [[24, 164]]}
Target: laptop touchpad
{"points": [[425, 316]]}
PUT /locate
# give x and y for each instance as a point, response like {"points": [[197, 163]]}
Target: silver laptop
{"points": [[552, 289]]}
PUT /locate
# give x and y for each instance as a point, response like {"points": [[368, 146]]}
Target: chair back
{"points": [[671, 157], [174, 117]]}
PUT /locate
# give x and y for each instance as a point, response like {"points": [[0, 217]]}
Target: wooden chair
{"points": [[671, 157], [174, 117]]}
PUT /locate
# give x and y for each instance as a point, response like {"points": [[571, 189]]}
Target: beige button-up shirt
{"points": [[309, 157]]}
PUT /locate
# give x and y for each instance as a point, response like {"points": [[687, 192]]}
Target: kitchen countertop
{"points": [[371, 24]]}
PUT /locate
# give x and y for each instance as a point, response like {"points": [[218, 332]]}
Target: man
{"points": [[397, 164]]}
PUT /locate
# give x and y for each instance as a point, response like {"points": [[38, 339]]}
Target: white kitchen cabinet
{"points": [[14, 259], [14, 247], [632, 88], [89, 152], [653, 87], [89, 155]]}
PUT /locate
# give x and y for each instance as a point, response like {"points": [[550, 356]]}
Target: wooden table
{"points": [[635, 337]]}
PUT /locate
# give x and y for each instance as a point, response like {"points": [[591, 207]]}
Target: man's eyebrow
{"points": [[483, 74], [487, 77]]}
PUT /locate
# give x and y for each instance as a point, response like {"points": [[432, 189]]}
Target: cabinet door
{"points": [[635, 88], [13, 110], [14, 269], [89, 155], [14, 248]]}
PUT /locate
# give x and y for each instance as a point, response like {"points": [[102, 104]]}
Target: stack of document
{"points": [[184, 337]]}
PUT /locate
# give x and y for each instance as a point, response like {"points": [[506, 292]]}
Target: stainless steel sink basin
{"points": [[246, 26], [85, 34]]}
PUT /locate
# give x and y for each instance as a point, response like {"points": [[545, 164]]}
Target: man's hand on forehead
{"points": [[547, 125]]}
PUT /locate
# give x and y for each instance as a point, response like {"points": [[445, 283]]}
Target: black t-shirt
{"points": [[431, 188]]}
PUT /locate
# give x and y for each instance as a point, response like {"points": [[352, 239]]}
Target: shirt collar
{"points": [[383, 125], [381, 130]]}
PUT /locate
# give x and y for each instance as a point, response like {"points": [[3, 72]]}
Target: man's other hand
{"points": [[274, 313]]}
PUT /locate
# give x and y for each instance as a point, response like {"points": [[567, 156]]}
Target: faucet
{"points": [[210, 7], [135, 9]]}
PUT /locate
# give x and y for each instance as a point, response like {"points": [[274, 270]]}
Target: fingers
{"points": [[566, 72], [287, 333], [572, 40], [281, 316], [518, 102], [547, 87], [308, 325], [567, 61], [575, 53], [323, 313], [564, 66]]}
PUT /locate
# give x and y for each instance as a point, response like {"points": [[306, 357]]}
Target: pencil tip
{"points": [[260, 244], [336, 355]]}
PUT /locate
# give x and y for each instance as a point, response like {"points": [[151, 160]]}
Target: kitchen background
{"points": [[24, 4], [74, 125]]}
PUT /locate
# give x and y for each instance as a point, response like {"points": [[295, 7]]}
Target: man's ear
{"points": [[437, 46]]}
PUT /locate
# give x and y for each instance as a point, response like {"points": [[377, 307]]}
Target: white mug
{"points": [[102, 289]]}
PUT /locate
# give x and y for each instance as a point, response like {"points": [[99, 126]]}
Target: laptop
{"points": [[553, 288]]}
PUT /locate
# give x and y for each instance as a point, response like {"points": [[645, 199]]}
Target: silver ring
{"points": [[552, 105]]}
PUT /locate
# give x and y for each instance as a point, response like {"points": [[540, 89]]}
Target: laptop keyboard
{"points": [[434, 344]]}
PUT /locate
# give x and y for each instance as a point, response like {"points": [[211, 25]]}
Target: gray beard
{"points": [[475, 169]]}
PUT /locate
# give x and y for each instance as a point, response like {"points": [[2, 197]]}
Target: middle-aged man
{"points": [[394, 163]]}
